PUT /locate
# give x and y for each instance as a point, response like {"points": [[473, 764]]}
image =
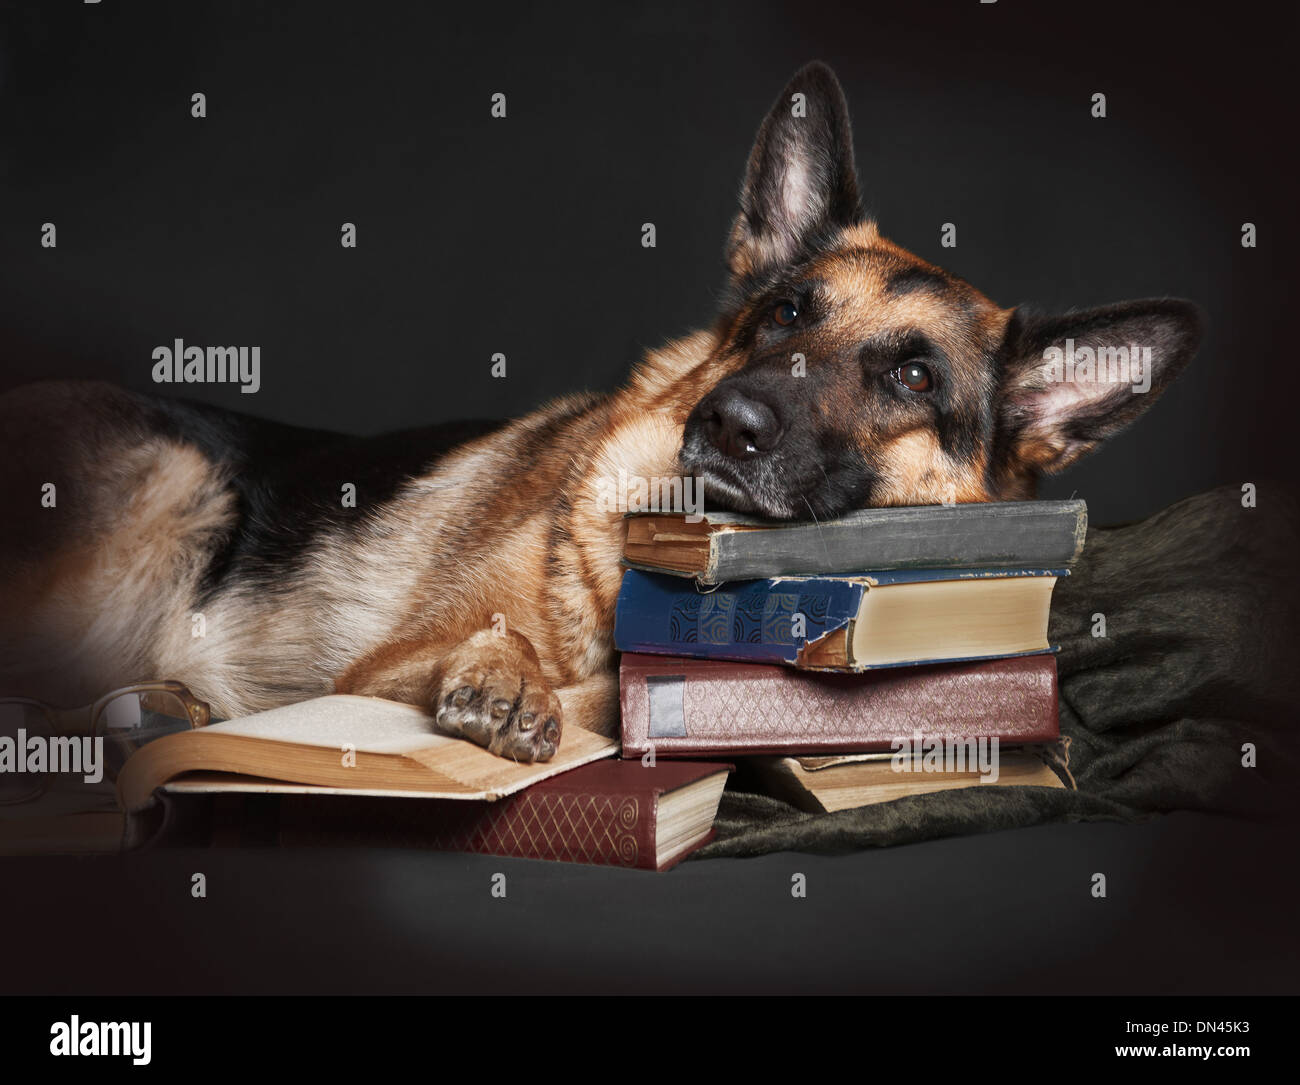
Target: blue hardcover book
{"points": [[843, 623]]}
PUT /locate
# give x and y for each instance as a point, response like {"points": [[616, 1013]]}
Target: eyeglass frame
{"points": [[197, 712]]}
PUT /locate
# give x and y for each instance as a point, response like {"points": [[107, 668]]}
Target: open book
{"points": [[342, 744], [827, 784]]}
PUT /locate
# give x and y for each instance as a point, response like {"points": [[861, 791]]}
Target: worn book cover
{"points": [[719, 546], [873, 619], [609, 813], [688, 707]]}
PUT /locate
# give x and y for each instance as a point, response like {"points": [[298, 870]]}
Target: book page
{"points": [[369, 724]]}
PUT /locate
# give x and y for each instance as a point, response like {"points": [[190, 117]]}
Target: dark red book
{"points": [[697, 707], [611, 813]]}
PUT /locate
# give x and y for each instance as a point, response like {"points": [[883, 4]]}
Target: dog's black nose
{"points": [[739, 426]]}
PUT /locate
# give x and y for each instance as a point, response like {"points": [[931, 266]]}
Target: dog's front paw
{"points": [[491, 691]]}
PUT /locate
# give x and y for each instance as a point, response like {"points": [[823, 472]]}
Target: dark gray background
{"points": [[1194, 905], [523, 236]]}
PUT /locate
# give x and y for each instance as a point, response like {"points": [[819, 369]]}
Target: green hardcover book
{"points": [[720, 547]]}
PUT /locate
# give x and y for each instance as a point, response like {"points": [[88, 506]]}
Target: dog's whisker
{"points": [[818, 522]]}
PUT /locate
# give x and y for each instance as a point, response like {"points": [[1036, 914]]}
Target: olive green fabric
{"points": [[1202, 609]]}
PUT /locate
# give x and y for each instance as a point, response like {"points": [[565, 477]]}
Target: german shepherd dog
{"points": [[914, 389]]}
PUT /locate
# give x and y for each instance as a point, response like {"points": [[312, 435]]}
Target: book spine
{"points": [[757, 622], [688, 708], [1043, 534]]}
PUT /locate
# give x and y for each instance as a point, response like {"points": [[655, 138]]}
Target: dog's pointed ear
{"points": [[1070, 382], [800, 182]]}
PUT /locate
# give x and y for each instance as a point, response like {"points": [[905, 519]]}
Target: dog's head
{"points": [[852, 373]]}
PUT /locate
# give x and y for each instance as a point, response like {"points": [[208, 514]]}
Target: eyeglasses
{"points": [[125, 719]]}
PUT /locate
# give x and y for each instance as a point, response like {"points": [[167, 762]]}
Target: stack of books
{"points": [[892, 652]]}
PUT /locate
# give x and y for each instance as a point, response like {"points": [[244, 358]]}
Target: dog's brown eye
{"points": [[913, 376], [785, 313]]}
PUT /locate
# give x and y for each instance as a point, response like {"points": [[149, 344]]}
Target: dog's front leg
{"points": [[488, 689]]}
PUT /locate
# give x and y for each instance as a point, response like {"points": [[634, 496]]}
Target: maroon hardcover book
{"points": [[694, 707], [609, 813]]}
